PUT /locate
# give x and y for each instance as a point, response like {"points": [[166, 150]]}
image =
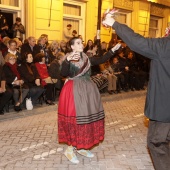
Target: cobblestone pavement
{"points": [[30, 142]]}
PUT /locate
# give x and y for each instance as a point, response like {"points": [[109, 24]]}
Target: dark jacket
{"points": [[2, 75], [27, 49], [54, 70], [10, 76], [132, 64], [157, 105], [27, 76]]}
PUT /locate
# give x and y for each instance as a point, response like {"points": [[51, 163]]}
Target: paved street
{"points": [[29, 141]]}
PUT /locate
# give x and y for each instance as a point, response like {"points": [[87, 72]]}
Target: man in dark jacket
{"points": [[30, 47], [5, 94], [157, 107]]}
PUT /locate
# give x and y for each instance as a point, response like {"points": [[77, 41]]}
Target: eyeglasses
{"points": [[12, 58]]}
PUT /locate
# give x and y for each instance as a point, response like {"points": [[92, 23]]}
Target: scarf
{"points": [[28, 65], [84, 65], [13, 68]]}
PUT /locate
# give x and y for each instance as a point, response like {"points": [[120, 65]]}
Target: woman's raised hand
{"points": [[116, 47]]}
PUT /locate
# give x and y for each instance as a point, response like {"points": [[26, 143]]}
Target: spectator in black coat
{"points": [[30, 47], [14, 81], [54, 70], [5, 93], [31, 78]]}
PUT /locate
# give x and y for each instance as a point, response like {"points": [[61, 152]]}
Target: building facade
{"points": [[147, 17]]}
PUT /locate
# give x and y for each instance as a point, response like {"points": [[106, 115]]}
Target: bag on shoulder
{"points": [[29, 105]]}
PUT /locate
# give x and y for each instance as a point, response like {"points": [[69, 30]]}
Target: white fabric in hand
{"points": [[108, 21], [116, 47]]}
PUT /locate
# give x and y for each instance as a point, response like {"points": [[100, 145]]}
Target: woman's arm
{"points": [[105, 57], [65, 68]]}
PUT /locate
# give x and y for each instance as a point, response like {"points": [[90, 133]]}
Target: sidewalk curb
{"points": [[105, 97]]}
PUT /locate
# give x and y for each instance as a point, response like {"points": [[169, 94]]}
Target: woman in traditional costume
{"points": [[80, 110]]}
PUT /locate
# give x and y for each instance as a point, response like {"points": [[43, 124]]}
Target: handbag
{"points": [[48, 80], [29, 105]]}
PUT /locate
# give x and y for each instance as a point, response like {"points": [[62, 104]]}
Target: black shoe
{"points": [[132, 89], [125, 90], [118, 91], [1, 112], [115, 91], [110, 92], [49, 102], [17, 108]]}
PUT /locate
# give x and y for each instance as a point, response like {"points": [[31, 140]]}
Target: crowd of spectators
{"points": [[31, 69]]}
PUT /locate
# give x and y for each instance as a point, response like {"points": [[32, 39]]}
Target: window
{"points": [[121, 18], [73, 13], [124, 17], [10, 2], [155, 27], [71, 9]]}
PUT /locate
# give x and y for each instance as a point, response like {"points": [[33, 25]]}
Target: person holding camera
{"points": [[18, 29]]}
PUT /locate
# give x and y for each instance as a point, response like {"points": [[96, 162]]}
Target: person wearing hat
{"points": [[68, 32], [18, 29]]}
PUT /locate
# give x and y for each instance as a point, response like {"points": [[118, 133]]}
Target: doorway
{"points": [[9, 20]]}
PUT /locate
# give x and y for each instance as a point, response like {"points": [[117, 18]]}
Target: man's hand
{"points": [[108, 19], [2, 90]]}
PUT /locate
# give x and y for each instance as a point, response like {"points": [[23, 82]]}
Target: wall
{"points": [[141, 17], [91, 20], [38, 18], [38, 13]]}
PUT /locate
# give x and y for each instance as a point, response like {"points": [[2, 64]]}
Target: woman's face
{"points": [[55, 45], [90, 43], [12, 60], [12, 46], [43, 60], [77, 46], [42, 41], [29, 58], [115, 60]]}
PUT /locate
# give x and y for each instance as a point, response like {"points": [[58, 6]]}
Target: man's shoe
{"points": [[115, 91], [110, 92], [1, 112], [132, 89]]}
